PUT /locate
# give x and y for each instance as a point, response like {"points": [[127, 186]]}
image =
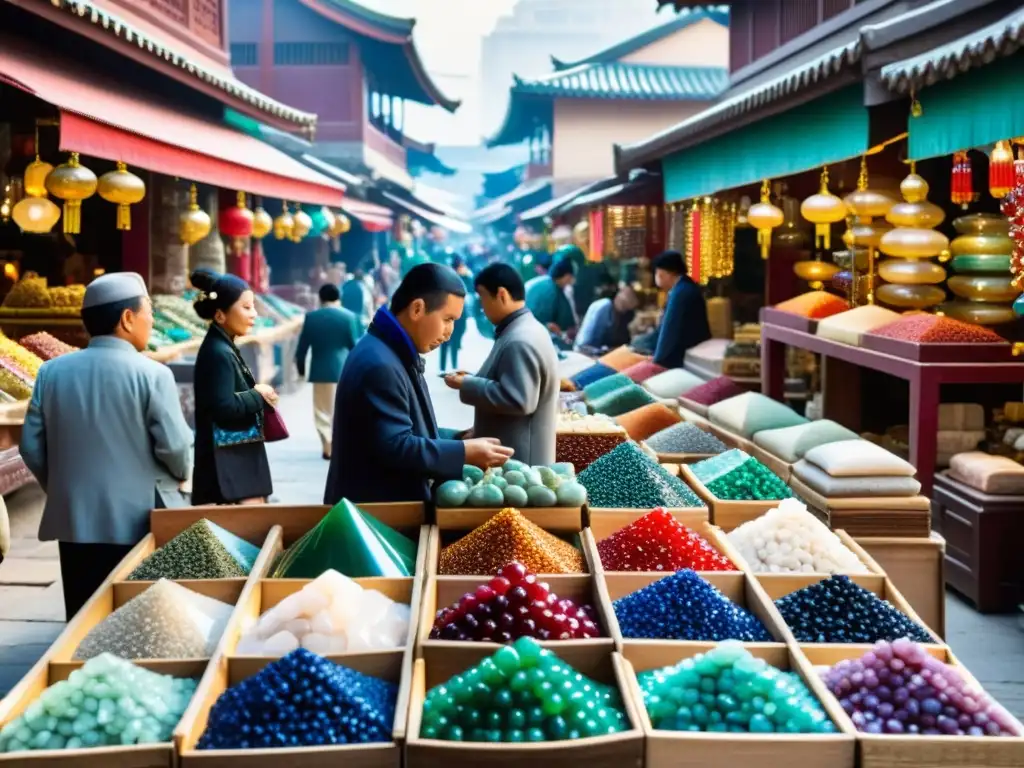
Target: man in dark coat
{"points": [[685, 321], [386, 445]]}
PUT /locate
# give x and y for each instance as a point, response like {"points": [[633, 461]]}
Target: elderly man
{"points": [[105, 437]]}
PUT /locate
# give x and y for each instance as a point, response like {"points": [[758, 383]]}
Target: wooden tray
{"points": [[908, 516], [554, 519], [783, 319], [679, 749], [620, 750], [940, 353], [740, 588], [607, 520], [917, 751], [727, 515]]}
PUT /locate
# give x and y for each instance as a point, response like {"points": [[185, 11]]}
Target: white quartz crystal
{"points": [[789, 539], [330, 615]]}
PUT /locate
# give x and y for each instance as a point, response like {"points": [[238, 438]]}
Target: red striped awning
{"points": [[374, 218]]}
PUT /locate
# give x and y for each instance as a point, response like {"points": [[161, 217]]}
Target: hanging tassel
{"points": [[124, 217]]}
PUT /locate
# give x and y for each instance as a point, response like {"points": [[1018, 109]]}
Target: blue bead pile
{"points": [[684, 606], [588, 376], [302, 700], [837, 610]]}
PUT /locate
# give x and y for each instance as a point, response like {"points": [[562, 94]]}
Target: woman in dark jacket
{"points": [[231, 459]]}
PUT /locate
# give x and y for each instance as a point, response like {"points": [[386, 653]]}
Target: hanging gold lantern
{"points": [[35, 178], [823, 210], [330, 220], [865, 205], [764, 217], [815, 272], [342, 225], [123, 188], [262, 224], [284, 224], [35, 215], [194, 223], [301, 224], [72, 183]]}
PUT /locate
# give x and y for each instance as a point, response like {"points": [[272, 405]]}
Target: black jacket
{"points": [[225, 397], [684, 324]]}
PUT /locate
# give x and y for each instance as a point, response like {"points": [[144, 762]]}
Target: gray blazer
{"points": [[104, 436], [515, 392]]}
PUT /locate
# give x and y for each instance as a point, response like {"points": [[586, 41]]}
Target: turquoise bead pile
{"points": [[522, 693], [727, 690], [622, 400], [605, 386], [109, 702], [737, 476], [626, 477]]}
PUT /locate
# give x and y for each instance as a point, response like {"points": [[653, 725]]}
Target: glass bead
{"points": [[626, 477], [505, 538], [736, 476], [659, 542]]}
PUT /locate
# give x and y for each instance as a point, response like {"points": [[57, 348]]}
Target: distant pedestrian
{"points": [[329, 333], [357, 298], [684, 323], [546, 298], [450, 349], [105, 437], [606, 324]]}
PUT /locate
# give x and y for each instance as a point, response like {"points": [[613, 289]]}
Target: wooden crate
{"points": [[604, 521], [554, 519], [903, 516], [847, 540], [741, 589], [777, 586], [876, 751], [915, 566], [442, 591], [726, 514], [678, 749], [620, 750]]}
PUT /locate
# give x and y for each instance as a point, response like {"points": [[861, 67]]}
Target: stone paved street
{"points": [[31, 609]]}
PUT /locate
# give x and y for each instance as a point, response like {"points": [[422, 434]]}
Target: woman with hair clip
{"points": [[230, 455]]}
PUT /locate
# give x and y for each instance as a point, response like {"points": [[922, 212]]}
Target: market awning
{"points": [[528, 189], [113, 122], [446, 222], [554, 207], [373, 217]]}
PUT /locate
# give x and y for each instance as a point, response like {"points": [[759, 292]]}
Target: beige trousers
{"points": [[323, 413]]}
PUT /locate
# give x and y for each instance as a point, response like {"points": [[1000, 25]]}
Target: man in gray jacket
{"points": [[515, 392], [105, 437]]}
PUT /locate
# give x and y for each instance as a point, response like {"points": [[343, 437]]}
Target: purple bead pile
{"points": [[898, 688]]}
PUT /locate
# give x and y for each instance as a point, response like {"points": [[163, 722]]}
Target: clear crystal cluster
{"points": [[332, 614]]}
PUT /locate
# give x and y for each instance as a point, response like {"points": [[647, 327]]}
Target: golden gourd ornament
{"points": [[823, 210], [284, 223], [864, 232], [194, 223], [35, 178], [342, 225], [764, 217], [983, 283], [330, 221], [262, 223], [124, 189], [36, 215], [72, 182], [301, 225]]}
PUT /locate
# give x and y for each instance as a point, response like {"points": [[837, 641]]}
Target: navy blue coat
{"points": [[684, 324], [385, 445], [330, 332]]}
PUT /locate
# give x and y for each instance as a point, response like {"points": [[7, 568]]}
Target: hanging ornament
{"points": [[815, 272], [823, 210], [962, 180], [342, 225], [913, 279], [262, 223], [236, 221], [35, 215], [1000, 170], [330, 220], [764, 217], [983, 283], [35, 177], [123, 188], [284, 223], [301, 225], [1018, 164], [194, 223], [864, 233], [581, 235], [72, 182]]}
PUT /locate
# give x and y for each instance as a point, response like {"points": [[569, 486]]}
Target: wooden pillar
{"points": [[135, 243], [168, 263]]}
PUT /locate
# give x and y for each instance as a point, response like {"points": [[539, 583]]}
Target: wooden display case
{"points": [[897, 516]]}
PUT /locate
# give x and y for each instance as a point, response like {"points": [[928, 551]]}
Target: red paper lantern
{"points": [[1000, 170], [236, 220], [962, 182]]}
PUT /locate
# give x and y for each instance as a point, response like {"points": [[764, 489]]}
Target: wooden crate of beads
{"points": [[917, 751], [581, 448], [442, 591], [767, 576], [726, 514], [554, 519], [606, 520], [683, 749], [779, 585], [225, 672], [908, 516], [619, 750], [740, 588]]}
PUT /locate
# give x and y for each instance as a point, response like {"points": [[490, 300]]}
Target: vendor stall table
{"points": [[841, 383]]}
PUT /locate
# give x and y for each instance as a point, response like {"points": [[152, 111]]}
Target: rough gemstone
{"points": [[109, 702], [511, 605], [302, 700], [899, 688], [737, 476], [521, 693], [627, 478], [659, 542], [789, 539], [505, 538], [167, 621], [728, 690], [684, 606], [332, 614], [204, 550], [836, 610], [349, 541], [686, 437]]}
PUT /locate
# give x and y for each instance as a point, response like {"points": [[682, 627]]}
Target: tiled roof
{"points": [[1003, 38], [619, 80]]}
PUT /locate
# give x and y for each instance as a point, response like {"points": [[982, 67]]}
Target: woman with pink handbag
{"points": [[235, 416]]}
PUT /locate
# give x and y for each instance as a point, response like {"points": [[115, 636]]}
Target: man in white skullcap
{"points": [[105, 437]]}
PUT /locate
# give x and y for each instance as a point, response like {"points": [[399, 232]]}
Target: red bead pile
{"points": [[659, 542], [514, 604], [714, 391], [936, 329]]}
